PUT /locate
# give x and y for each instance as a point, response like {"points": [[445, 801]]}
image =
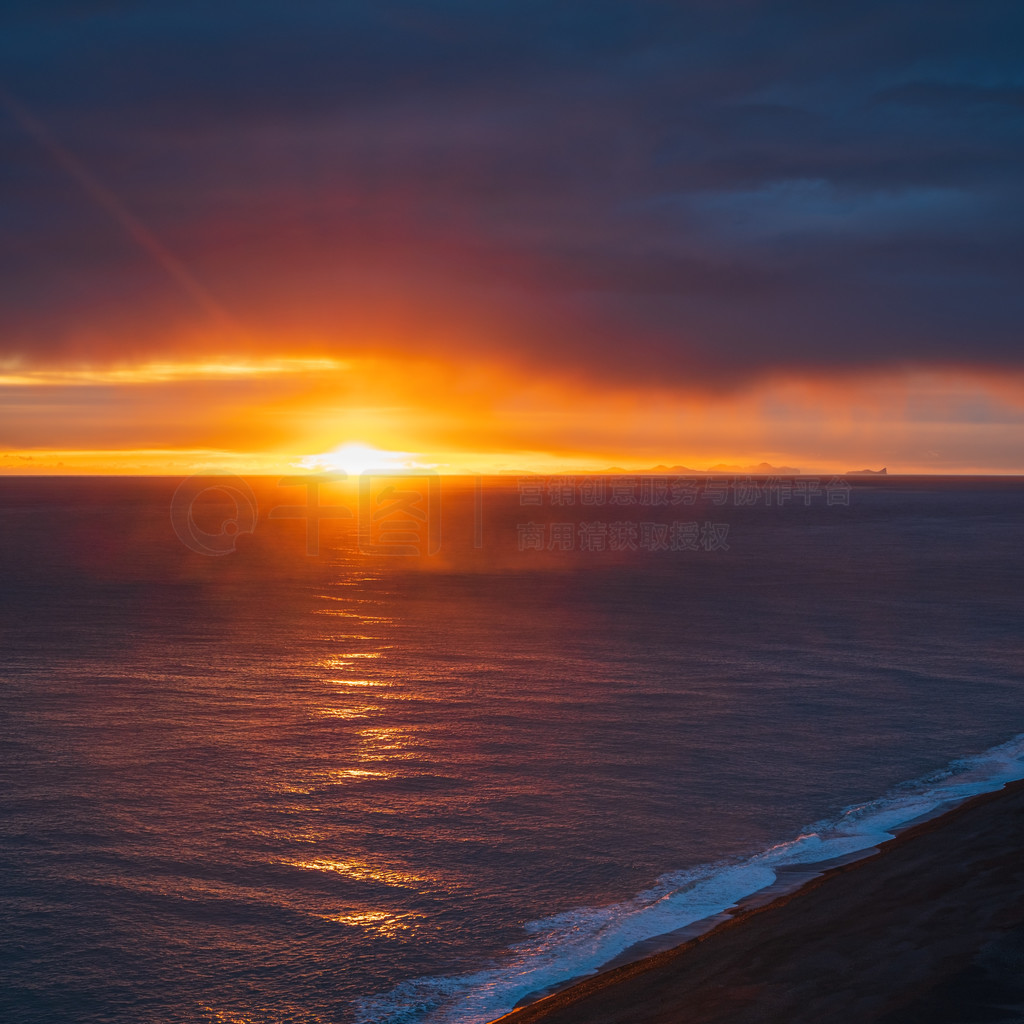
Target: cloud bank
{"points": [[694, 194]]}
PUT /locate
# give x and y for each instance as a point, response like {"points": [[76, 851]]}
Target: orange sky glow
{"points": [[288, 414], [472, 256]]}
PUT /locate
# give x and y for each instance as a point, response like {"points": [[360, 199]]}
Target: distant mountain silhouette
{"points": [[866, 472], [761, 469]]}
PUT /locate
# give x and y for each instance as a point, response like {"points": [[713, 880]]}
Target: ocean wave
{"points": [[580, 942]]}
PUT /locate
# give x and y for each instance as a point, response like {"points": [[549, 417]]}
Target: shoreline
{"points": [[929, 923]]}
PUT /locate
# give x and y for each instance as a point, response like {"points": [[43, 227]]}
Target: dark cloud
{"points": [[669, 191]]}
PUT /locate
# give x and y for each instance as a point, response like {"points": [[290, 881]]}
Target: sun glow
{"points": [[355, 457], [268, 415]]}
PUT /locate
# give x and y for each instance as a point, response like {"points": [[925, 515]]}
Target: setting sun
{"points": [[355, 457]]}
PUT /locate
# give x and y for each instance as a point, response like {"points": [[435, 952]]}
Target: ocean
{"points": [[411, 750]]}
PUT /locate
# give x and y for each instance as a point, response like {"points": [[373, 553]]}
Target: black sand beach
{"points": [[928, 930]]}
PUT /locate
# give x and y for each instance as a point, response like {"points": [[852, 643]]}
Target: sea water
{"points": [[333, 775]]}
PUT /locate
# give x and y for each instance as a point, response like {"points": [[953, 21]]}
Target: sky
{"points": [[510, 236]]}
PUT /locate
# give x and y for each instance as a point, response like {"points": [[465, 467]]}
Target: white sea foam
{"points": [[581, 941]]}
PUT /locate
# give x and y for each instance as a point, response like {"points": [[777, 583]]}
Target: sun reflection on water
{"points": [[382, 922], [361, 871]]}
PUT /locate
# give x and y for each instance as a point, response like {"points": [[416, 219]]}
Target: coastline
{"points": [[928, 928]]}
